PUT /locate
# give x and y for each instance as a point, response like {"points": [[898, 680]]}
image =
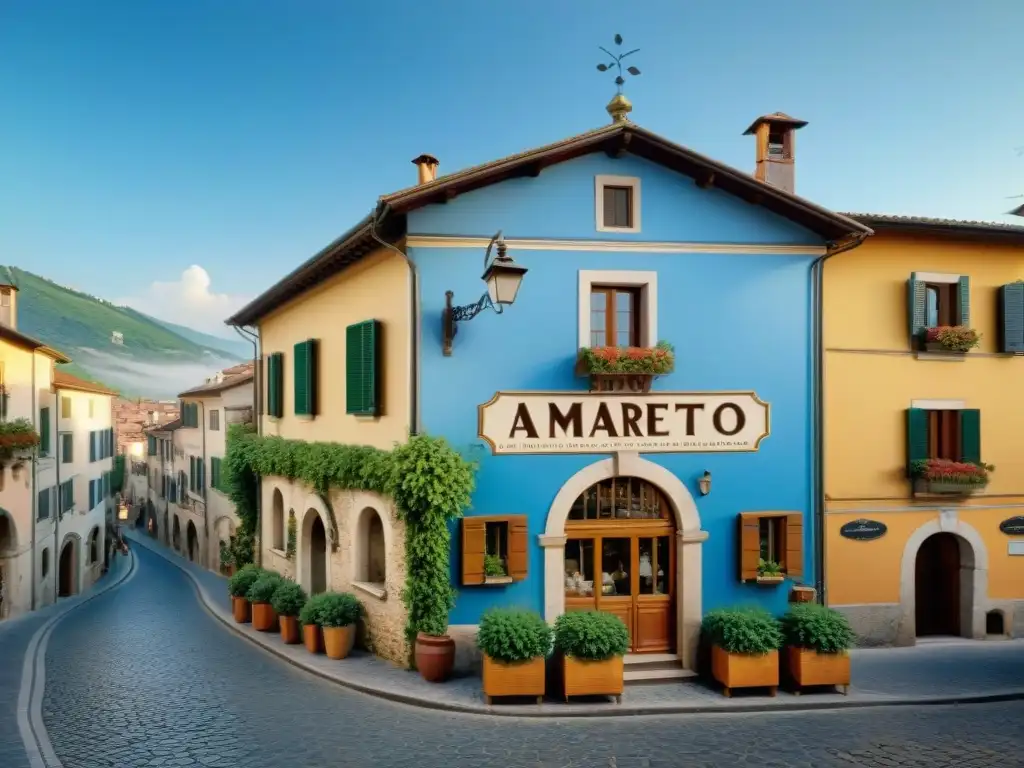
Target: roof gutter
{"points": [[817, 401]]}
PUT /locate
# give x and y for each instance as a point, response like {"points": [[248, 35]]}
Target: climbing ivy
{"points": [[428, 480]]}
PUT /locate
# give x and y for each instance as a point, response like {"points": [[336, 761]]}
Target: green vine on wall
{"points": [[429, 481]]}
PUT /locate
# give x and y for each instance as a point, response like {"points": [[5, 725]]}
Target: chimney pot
{"points": [[775, 141], [427, 165]]}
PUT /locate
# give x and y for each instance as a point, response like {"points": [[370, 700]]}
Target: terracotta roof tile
{"points": [[67, 381]]}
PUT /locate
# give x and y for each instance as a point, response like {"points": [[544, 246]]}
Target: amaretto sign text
{"points": [[657, 422]]}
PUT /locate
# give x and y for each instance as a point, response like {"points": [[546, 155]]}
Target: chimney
{"points": [[427, 165], [9, 305], [774, 137]]}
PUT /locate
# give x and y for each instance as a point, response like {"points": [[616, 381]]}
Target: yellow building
{"points": [[914, 544]]}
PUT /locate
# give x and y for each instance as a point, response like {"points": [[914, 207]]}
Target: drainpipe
{"points": [[414, 308], [818, 410], [57, 457], [33, 468], [253, 338]]}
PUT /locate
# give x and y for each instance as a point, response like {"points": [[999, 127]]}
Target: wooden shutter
{"points": [[44, 430], [214, 461], [750, 545], [92, 446], [275, 379], [795, 545], [362, 383], [964, 300], [474, 545], [970, 435], [916, 306], [917, 436], [260, 386], [1011, 318], [518, 549], [151, 445], [305, 378]]}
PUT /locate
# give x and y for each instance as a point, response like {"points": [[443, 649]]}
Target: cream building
{"points": [[51, 543], [160, 472]]}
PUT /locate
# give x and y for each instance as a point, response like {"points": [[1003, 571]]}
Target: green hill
{"points": [[232, 346], [151, 360]]}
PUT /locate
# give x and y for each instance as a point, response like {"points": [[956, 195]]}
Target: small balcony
{"points": [[624, 369]]}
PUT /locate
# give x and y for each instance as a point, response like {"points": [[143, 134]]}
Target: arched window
{"points": [[277, 522], [94, 545], [621, 498], [8, 535], [44, 564]]}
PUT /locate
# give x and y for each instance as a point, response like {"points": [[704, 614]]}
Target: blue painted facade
{"points": [[738, 321]]}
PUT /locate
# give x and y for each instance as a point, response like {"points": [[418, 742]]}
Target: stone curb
{"points": [[802, 704]]}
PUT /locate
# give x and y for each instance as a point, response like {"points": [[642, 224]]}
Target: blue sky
{"points": [[140, 138]]}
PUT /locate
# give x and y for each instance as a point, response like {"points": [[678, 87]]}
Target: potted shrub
{"points": [[338, 612], [745, 646], [951, 338], [309, 617], [614, 368], [287, 600], [769, 572], [238, 586], [260, 593], [515, 644], [591, 644], [817, 640], [959, 478]]}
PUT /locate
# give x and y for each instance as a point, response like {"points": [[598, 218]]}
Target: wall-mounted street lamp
{"points": [[704, 483], [503, 277]]}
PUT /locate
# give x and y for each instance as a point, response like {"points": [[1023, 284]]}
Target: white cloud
{"points": [[189, 301]]}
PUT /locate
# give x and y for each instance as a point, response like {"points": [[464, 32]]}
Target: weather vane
{"points": [[616, 64]]}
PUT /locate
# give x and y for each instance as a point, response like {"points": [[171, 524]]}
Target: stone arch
{"points": [[689, 538], [94, 545], [313, 547], [8, 532], [192, 541], [277, 521], [68, 566], [974, 602], [176, 534], [372, 542]]}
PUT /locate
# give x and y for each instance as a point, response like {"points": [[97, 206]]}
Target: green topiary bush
{"points": [[243, 579], [288, 599], [809, 625], [338, 609], [511, 635], [591, 635], [310, 612], [262, 590], [751, 631]]}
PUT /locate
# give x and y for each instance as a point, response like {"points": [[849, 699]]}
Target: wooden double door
{"points": [[626, 568]]}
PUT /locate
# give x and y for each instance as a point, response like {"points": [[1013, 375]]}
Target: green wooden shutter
{"points": [[965, 300], [151, 445], [275, 380], [916, 306], [92, 446], [44, 431], [970, 435], [202, 474], [214, 472], [305, 378], [1011, 318], [362, 380], [917, 436]]}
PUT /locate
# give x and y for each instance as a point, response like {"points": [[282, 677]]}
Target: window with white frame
{"points": [[617, 203], [618, 308]]}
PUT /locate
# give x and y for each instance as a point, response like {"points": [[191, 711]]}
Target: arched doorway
{"points": [[67, 569], [314, 552], [176, 535], [620, 559], [192, 538], [8, 533], [939, 593], [277, 522]]}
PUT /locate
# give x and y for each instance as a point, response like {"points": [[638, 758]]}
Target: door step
{"points": [[643, 668]]}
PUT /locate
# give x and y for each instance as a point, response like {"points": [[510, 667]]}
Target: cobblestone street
{"points": [[143, 676]]}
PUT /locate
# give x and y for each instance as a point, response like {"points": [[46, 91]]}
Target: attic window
{"points": [[617, 203]]}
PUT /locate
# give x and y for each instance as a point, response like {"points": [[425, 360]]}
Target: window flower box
{"points": [[18, 439], [624, 369], [942, 476], [951, 339]]}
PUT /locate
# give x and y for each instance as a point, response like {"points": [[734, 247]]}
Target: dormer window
{"points": [[617, 203]]}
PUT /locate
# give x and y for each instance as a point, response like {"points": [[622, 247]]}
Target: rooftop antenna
{"points": [[619, 107]]}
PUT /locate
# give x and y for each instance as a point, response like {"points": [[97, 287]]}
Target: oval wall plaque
{"points": [[1013, 526], [863, 530]]}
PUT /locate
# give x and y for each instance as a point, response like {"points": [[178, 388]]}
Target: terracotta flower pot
{"points": [[241, 609], [523, 678], [290, 630], [435, 657], [263, 617], [808, 667], [741, 670], [338, 641], [312, 638], [584, 677]]}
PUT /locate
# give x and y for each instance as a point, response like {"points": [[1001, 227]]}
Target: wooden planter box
{"points": [[773, 579], [581, 677], [808, 667], [740, 670], [524, 678], [616, 382], [937, 346], [948, 489]]}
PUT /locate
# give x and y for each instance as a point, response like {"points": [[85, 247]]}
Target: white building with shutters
{"points": [[200, 517]]}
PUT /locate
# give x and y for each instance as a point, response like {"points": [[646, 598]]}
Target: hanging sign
{"points": [[863, 530], [1013, 526], [598, 422]]}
